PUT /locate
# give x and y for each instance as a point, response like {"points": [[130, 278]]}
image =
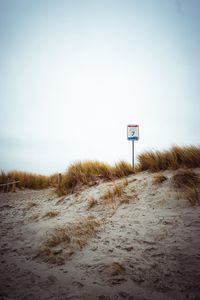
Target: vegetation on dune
{"points": [[159, 178], [26, 180], [52, 214], [174, 158], [186, 183], [91, 202], [85, 172], [116, 194], [79, 173], [90, 172], [185, 178], [113, 269], [72, 237], [53, 179], [122, 169]]}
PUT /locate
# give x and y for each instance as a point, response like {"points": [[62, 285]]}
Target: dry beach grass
{"points": [[186, 182], [72, 237], [91, 172], [174, 158], [27, 180]]}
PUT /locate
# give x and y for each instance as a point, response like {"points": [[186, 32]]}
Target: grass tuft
{"points": [[122, 169], [91, 202], [159, 179], [185, 178], [91, 172], [108, 196], [186, 182], [52, 214], [50, 256], [175, 158], [60, 192], [82, 173], [114, 269], [116, 193], [69, 238], [60, 235]]}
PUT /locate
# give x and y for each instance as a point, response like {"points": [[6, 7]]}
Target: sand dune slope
{"points": [[132, 239]]}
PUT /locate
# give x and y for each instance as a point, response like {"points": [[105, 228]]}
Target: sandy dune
{"points": [[147, 244]]}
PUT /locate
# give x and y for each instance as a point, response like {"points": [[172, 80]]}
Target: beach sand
{"points": [[146, 244]]}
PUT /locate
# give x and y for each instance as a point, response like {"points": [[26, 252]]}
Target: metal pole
{"points": [[133, 153]]}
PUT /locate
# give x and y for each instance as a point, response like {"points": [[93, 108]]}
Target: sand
{"points": [[146, 247]]}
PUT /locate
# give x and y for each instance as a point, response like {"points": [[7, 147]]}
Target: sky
{"points": [[74, 74]]}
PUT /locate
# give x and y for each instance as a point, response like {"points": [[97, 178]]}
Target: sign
{"points": [[133, 132]]}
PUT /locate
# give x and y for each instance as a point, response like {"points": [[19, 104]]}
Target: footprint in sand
{"points": [[124, 295], [103, 297], [77, 284], [51, 278]]}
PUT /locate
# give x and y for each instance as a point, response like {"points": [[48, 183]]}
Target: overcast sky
{"points": [[73, 74]]}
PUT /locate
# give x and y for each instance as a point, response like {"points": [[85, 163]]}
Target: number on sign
{"points": [[133, 133]]}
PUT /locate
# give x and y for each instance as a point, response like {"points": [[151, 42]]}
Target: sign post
{"points": [[133, 153], [133, 135]]}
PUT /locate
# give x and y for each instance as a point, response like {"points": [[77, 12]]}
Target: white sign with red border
{"points": [[133, 132]]}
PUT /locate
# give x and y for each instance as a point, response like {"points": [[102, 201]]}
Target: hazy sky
{"points": [[74, 73]]}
